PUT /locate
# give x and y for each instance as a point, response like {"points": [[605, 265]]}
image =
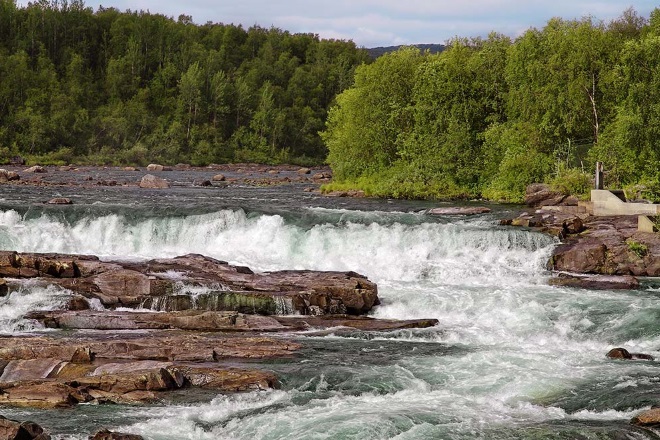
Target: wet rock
{"points": [[584, 256], [40, 394], [12, 175], [13, 430], [153, 182], [304, 171], [182, 166], [78, 302], [202, 183], [228, 380], [459, 210], [355, 322], [59, 201], [622, 353], [4, 288], [130, 169], [105, 434], [219, 178], [649, 417], [596, 282], [36, 169]]}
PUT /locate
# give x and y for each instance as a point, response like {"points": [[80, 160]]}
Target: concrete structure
{"points": [[605, 202], [645, 224]]}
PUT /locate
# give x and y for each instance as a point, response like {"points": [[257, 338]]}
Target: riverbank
{"points": [[610, 247]]}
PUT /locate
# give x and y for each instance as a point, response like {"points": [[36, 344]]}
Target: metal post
{"points": [[599, 175]]}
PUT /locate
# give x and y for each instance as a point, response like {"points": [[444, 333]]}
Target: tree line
{"points": [[113, 87], [488, 116]]}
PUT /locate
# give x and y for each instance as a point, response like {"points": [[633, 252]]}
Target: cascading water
{"points": [[512, 357]]}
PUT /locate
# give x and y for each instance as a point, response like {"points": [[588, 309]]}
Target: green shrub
{"points": [[572, 181], [637, 248]]}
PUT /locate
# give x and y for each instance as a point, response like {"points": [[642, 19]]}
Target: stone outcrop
{"points": [[186, 341], [153, 182], [230, 288], [540, 194]]}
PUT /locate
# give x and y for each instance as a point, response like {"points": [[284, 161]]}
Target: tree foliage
{"points": [[130, 87], [486, 117]]}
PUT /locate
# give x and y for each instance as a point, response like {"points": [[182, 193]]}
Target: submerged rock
{"points": [[596, 282], [459, 210], [59, 201], [105, 434], [622, 353]]}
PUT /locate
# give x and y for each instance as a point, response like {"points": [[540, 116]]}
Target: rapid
{"points": [[511, 357]]}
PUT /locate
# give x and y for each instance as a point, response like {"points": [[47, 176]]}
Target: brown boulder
{"points": [[152, 182], [218, 178], [622, 353], [304, 171], [13, 430], [583, 256], [649, 417]]}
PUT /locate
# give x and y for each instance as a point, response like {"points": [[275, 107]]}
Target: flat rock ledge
{"points": [[609, 248], [155, 332], [161, 284]]}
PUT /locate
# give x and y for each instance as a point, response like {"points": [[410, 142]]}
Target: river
{"points": [[511, 358]]}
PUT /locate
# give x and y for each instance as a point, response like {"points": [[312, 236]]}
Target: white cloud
{"points": [[387, 22]]}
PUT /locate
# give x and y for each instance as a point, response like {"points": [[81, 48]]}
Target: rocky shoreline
{"points": [[597, 252]]}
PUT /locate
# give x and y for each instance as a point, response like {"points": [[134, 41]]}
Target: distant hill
{"points": [[375, 52]]}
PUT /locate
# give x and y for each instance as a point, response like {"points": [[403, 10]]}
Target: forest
{"points": [[487, 116], [132, 87], [482, 118]]}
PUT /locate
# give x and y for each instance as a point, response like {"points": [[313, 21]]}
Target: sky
{"points": [[371, 23]]}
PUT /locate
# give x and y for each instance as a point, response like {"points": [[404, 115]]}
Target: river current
{"points": [[511, 358]]}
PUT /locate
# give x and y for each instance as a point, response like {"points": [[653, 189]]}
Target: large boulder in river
{"points": [[583, 256], [650, 417], [153, 182], [155, 167], [13, 430]]}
